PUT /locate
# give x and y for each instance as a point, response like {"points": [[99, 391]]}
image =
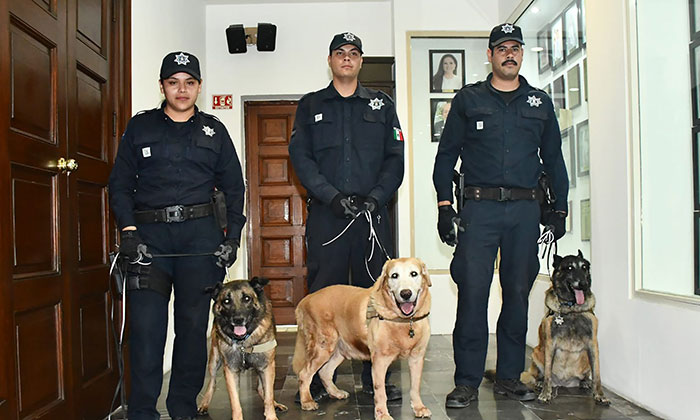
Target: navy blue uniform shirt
{"points": [[350, 145], [501, 145], [162, 163]]}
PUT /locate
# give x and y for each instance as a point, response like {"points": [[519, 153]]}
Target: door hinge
{"points": [[114, 10], [114, 124]]}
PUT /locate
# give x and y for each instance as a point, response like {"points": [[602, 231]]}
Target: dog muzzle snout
{"points": [[406, 294]]}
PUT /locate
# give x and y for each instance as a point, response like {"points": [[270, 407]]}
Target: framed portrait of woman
{"points": [[446, 70], [557, 35], [544, 51], [439, 109], [572, 29]]}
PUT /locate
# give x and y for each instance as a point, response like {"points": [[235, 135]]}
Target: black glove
{"points": [[227, 253], [131, 245], [344, 207], [370, 204], [447, 218], [556, 220]]}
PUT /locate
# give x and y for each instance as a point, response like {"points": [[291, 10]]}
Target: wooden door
{"points": [[58, 62], [276, 206]]}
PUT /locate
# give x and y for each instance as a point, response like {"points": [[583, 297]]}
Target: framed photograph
{"points": [[582, 142], [548, 88], [558, 93], [572, 28], [586, 220], [446, 70], [569, 152], [582, 12], [570, 218], [585, 79], [439, 109], [556, 33], [574, 87], [544, 49]]}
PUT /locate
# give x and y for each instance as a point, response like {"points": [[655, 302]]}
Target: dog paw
{"points": [[339, 394], [601, 400], [203, 410], [545, 397], [384, 416], [280, 407], [309, 406], [422, 412]]}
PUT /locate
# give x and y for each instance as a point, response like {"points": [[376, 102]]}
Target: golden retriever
{"points": [[381, 323]]}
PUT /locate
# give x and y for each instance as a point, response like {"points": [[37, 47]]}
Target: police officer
{"points": [[347, 150], [505, 132], [169, 162]]}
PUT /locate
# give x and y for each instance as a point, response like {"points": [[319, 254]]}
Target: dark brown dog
{"points": [[243, 337], [387, 321], [567, 354]]}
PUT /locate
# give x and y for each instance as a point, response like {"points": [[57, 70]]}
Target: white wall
{"points": [[648, 346]]}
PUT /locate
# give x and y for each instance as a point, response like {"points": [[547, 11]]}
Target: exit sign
{"points": [[222, 102]]}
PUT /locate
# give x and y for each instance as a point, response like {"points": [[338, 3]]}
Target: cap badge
{"points": [[348, 36], [534, 101], [208, 131], [507, 28], [376, 104], [182, 59]]}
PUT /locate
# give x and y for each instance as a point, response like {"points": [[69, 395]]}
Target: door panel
{"points": [[276, 206]]}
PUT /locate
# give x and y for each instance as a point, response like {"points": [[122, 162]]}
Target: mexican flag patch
{"points": [[398, 134]]}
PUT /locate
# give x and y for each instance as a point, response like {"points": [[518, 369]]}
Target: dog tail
{"points": [[300, 349]]}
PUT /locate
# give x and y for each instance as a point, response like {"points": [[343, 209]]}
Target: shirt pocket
{"points": [[532, 120], [481, 120], [371, 131], [323, 132], [205, 150], [150, 152]]}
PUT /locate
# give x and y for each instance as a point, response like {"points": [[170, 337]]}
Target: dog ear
{"points": [[385, 272], [214, 290], [259, 284], [557, 261], [424, 272], [580, 254]]}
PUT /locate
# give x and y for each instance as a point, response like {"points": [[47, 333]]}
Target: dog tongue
{"points": [[407, 307], [579, 297], [239, 330]]}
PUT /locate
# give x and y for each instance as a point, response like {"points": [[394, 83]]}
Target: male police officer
{"points": [[500, 128], [169, 161], [347, 150]]}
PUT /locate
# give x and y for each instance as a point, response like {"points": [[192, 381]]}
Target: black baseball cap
{"points": [[175, 62], [505, 32], [343, 39]]}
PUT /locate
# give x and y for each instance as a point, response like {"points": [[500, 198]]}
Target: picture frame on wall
{"points": [[585, 220], [573, 80], [582, 12], [446, 70], [570, 218], [585, 79], [544, 62], [439, 109], [548, 89], [572, 28], [568, 150], [582, 146], [556, 33], [558, 93]]}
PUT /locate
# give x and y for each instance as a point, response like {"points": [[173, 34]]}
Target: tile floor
{"points": [[571, 404]]}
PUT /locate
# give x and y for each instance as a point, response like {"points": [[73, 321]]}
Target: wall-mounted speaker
{"points": [[235, 38], [267, 34]]}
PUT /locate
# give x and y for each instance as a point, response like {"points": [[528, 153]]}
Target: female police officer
{"points": [[169, 162]]}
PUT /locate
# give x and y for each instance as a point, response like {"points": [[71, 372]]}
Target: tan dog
{"points": [[243, 338], [386, 321]]}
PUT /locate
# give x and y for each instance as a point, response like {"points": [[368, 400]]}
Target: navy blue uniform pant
{"points": [[343, 260], [512, 226], [148, 318]]}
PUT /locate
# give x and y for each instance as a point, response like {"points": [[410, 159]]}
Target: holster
{"points": [[218, 201], [458, 179], [547, 198], [151, 277]]}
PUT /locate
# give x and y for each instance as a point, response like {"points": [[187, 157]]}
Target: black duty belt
{"points": [[500, 193], [177, 213]]}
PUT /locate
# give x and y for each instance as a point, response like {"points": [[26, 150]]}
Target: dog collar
{"points": [[372, 313]]}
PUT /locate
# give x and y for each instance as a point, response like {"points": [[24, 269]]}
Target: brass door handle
{"points": [[67, 165]]}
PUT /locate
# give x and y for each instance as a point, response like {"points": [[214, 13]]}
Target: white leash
{"points": [[547, 240]]}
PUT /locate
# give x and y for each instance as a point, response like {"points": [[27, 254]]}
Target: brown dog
{"points": [[386, 321], [243, 338], [567, 354]]}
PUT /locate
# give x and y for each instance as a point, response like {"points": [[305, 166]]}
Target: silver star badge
{"points": [[348, 36], [208, 131], [507, 28], [558, 319], [534, 101], [182, 59], [376, 104]]}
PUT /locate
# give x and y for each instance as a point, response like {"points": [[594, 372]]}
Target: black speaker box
{"points": [[235, 37], [267, 33]]}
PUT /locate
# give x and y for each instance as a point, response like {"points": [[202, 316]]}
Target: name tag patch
{"points": [[479, 125], [318, 117], [146, 151]]}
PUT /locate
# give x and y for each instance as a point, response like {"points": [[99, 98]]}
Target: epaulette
{"points": [[380, 92], [147, 111], [474, 84], [213, 117]]}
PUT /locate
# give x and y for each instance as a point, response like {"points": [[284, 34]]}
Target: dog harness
{"points": [[372, 313], [258, 348]]}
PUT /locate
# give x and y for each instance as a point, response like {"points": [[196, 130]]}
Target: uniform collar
{"points": [[330, 92], [161, 109], [524, 85]]}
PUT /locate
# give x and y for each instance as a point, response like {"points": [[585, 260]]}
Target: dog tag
{"points": [[558, 319], [479, 125]]}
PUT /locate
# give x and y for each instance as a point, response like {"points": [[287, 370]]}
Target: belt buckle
{"points": [[175, 214], [504, 194]]}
